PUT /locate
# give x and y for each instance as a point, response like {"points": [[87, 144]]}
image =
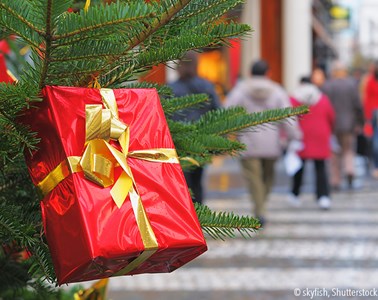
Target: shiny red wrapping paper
{"points": [[88, 235]]}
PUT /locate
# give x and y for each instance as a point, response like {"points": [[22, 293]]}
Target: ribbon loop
{"points": [[98, 163], [117, 128], [93, 118], [109, 101]]}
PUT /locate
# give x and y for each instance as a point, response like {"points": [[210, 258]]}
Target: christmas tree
{"points": [[110, 43]]}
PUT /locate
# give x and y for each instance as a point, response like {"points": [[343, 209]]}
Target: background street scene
{"points": [[225, 73], [323, 251]]}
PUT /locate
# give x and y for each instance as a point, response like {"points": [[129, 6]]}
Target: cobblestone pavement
{"points": [[302, 253]]}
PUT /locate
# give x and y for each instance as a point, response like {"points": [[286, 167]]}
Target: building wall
{"points": [[251, 45], [368, 26], [297, 41], [282, 35], [271, 36]]}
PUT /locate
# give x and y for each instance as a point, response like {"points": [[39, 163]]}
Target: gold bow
{"points": [[99, 160]]}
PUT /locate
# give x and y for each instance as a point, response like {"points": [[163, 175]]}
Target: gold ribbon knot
{"points": [[100, 157]]}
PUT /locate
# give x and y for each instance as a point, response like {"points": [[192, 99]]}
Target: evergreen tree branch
{"points": [[22, 19], [22, 35], [173, 105], [221, 225], [151, 28], [171, 48], [48, 40], [97, 26], [163, 90], [42, 266], [159, 22], [218, 122], [13, 275], [207, 10]]}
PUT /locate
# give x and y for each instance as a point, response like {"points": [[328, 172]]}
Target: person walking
{"points": [[344, 95], [258, 93], [318, 77], [190, 83], [370, 103], [317, 127]]}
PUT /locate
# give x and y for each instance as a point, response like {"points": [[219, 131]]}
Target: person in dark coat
{"points": [[190, 83]]}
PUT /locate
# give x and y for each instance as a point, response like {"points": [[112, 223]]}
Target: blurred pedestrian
{"points": [[317, 127], [318, 77], [344, 95], [190, 83], [371, 113], [258, 93]]}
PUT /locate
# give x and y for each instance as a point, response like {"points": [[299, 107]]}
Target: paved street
{"points": [[316, 254]]}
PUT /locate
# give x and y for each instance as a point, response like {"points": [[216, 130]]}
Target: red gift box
{"points": [[91, 235]]}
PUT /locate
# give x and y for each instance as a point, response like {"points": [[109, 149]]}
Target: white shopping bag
{"points": [[292, 161]]}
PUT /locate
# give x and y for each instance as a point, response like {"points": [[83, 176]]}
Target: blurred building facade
{"points": [[292, 35], [368, 29]]}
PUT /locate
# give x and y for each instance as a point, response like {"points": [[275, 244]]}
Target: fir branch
{"points": [[73, 41], [212, 10], [220, 225], [48, 40], [30, 77], [42, 266], [111, 15], [14, 98], [167, 50], [163, 90], [159, 21], [22, 18], [202, 148], [43, 290], [11, 230], [88, 51], [187, 146], [23, 35], [170, 48], [218, 122], [13, 275], [59, 12], [177, 128], [75, 69], [173, 105], [15, 138], [217, 145]]}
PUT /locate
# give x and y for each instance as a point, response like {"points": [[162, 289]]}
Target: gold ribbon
{"points": [[96, 291], [87, 4], [99, 160]]}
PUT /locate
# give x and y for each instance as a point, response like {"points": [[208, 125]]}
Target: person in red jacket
{"points": [[370, 96], [317, 127]]}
